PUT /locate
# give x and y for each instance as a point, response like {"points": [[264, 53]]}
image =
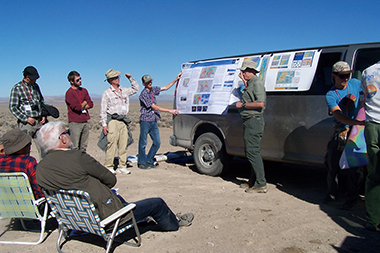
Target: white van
{"points": [[297, 122]]}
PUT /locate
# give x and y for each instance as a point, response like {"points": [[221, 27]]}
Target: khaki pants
{"points": [[117, 139], [79, 135]]}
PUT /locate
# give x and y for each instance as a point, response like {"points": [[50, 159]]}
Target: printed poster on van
{"points": [[211, 86]]}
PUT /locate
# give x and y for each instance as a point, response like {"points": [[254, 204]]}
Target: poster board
{"points": [[210, 86]]}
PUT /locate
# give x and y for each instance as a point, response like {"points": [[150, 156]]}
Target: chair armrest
{"points": [[117, 214], [40, 201]]}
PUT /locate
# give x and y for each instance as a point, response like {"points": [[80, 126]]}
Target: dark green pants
{"points": [[372, 191], [253, 133]]}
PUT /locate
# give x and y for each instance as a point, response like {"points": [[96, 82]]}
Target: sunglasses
{"points": [[65, 132], [77, 80], [343, 76]]}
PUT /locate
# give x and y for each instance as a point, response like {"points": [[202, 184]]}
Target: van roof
{"points": [[289, 50]]}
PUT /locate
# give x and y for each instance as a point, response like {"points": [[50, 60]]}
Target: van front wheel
{"points": [[208, 154]]}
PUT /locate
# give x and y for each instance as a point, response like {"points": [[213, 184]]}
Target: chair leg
{"points": [[62, 233], [138, 239], [112, 237]]}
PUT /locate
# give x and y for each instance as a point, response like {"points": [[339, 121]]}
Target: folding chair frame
{"points": [[17, 201], [74, 210]]}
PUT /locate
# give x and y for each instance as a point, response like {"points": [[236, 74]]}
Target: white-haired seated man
{"points": [[70, 169]]}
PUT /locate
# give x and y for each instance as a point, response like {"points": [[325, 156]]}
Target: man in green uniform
{"points": [[251, 110]]}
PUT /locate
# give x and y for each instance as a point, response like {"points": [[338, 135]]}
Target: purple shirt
{"points": [[147, 99]]}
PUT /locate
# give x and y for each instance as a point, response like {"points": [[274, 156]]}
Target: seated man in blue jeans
{"points": [[69, 169]]}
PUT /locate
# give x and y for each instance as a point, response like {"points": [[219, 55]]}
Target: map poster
{"points": [[292, 70], [205, 87], [211, 86]]}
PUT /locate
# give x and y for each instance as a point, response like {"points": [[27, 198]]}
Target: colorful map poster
{"points": [[211, 86], [205, 87]]}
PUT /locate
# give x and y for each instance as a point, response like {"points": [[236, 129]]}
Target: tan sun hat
{"points": [[249, 65], [112, 73], [15, 140]]}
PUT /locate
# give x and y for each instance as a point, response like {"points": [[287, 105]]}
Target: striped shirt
{"points": [[25, 101], [113, 101]]}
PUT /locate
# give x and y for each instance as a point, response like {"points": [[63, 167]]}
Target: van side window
{"points": [[365, 58], [322, 80]]}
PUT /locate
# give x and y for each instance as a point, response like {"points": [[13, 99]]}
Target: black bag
{"points": [[49, 110]]}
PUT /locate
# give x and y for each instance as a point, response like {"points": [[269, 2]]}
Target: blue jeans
{"points": [[150, 128], [156, 208]]}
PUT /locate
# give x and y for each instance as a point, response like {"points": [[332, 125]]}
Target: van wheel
{"points": [[209, 154]]}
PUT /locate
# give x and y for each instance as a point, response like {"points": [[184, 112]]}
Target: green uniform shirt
{"points": [[255, 92]]}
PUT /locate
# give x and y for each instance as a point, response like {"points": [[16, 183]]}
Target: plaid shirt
{"points": [[22, 163], [112, 101], [22, 96], [147, 99]]}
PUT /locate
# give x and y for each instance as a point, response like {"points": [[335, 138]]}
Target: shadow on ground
{"points": [[309, 184]]}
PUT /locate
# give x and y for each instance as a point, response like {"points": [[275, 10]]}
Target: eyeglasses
{"points": [[65, 132], [77, 80], [343, 76]]}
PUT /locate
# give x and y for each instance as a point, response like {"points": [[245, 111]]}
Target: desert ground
{"points": [[290, 218]]}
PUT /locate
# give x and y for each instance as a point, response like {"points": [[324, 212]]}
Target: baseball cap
{"points": [[31, 72], [342, 67], [146, 78]]}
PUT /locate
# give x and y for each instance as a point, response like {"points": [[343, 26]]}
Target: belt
{"points": [[254, 116]]}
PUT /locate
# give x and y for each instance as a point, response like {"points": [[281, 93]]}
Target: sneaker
{"points": [[112, 171], [144, 166], [123, 171], [151, 166], [257, 189], [185, 220]]}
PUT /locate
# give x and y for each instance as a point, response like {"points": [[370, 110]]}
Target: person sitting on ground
{"points": [[16, 157], [70, 169]]}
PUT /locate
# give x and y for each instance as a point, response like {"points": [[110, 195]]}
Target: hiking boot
{"points": [[185, 220], [245, 185], [257, 189], [123, 171]]}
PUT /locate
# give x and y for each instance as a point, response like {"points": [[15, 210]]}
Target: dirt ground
{"points": [[290, 218]]}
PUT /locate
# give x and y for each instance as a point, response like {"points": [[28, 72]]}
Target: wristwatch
{"points": [[243, 105]]}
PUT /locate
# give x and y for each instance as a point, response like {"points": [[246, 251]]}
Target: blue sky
{"points": [[156, 37]]}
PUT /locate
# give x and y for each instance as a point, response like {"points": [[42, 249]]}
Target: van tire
{"points": [[208, 154]]}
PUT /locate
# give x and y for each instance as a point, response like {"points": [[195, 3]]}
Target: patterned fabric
{"points": [[16, 197], [147, 99], [112, 101], [22, 163], [22, 96], [17, 201], [75, 210]]}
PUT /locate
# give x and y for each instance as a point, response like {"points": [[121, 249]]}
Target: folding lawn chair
{"points": [[74, 210], [17, 201]]}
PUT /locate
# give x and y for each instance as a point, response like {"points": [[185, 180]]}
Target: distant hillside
{"points": [[57, 100]]}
